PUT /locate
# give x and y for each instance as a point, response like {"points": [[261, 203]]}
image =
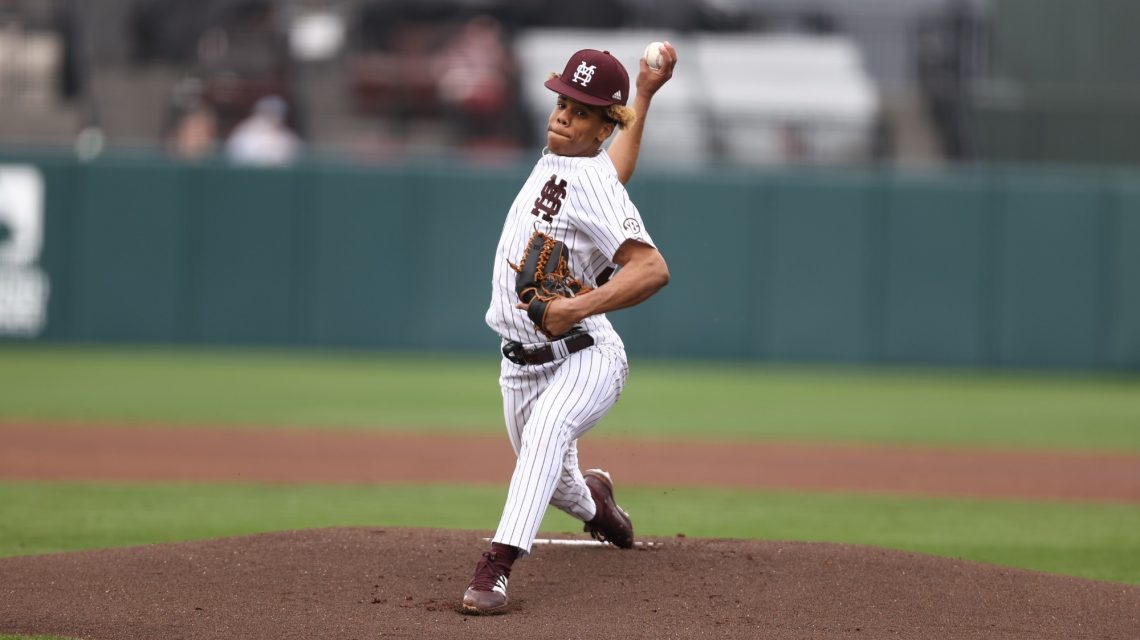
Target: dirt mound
{"points": [[405, 583]]}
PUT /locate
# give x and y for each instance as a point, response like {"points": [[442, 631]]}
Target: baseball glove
{"points": [[543, 275]]}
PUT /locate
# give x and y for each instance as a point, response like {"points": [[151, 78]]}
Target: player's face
{"points": [[576, 129]]}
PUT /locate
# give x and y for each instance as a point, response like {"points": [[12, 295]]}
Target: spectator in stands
{"points": [[264, 139], [475, 82], [195, 134], [190, 129]]}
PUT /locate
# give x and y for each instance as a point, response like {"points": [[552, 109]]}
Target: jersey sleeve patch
{"points": [[605, 212]]}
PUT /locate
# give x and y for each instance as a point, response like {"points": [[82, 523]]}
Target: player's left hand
{"points": [[649, 80], [560, 316]]}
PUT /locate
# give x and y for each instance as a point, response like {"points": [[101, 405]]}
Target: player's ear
{"points": [[606, 131]]}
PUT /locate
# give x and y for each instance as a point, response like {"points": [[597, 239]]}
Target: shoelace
{"points": [[595, 533], [487, 572]]}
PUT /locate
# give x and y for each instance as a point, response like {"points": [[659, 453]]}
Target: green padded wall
{"points": [[1124, 278], [129, 260], [461, 215], [361, 225], [986, 267], [60, 246], [1050, 279], [250, 263], [937, 268], [821, 248], [721, 299]]}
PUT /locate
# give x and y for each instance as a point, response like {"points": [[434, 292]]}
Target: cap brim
{"points": [[570, 91]]}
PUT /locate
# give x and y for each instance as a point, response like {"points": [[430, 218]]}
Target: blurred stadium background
{"points": [[762, 81], [944, 181]]}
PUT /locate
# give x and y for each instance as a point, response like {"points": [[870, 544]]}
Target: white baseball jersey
{"points": [[581, 202]]}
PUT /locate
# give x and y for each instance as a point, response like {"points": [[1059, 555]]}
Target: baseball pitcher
{"points": [[573, 248]]}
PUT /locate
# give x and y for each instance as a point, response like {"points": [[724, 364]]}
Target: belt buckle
{"points": [[514, 352]]}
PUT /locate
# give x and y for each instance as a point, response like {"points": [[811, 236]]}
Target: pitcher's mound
{"points": [[357, 583]]}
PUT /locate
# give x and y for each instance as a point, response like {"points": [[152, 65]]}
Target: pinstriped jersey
{"points": [[582, 203]]}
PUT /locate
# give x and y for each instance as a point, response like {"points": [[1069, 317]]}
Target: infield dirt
{"points": [[139, 453], [356, 583]]}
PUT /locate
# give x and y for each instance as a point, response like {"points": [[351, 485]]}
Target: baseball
{"points": [[655, 54]]}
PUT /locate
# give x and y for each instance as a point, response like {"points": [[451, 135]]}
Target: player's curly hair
{"points": [[621, 115]]}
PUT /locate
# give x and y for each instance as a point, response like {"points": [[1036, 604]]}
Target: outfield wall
{"points": [[1001, 267]]}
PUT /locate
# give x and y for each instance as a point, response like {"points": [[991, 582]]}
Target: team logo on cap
{"points": [[584, 73]]}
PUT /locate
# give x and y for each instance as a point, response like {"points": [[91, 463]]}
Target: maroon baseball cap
{"points": [[593, 77]]}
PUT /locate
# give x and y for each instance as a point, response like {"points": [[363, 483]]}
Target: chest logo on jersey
{"points": [[549, 202]]}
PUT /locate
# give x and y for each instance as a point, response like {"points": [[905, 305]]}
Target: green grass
{"points": [[663, 399], [264, 387], [1089, 540]]}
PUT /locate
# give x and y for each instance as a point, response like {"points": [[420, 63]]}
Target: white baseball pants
{"points": [[547, 408]]}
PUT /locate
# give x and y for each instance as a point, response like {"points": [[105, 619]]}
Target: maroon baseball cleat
{"points": [[610, 524], [487, 593]]}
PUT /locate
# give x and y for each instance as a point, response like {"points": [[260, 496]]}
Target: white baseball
{"points": [[655, 54]]}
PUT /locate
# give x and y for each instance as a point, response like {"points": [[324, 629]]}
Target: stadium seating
{"points": [[748, 99]]}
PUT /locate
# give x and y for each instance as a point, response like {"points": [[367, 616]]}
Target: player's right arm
{"points": [[627, 145]]}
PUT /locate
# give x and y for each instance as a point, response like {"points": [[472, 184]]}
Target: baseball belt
{"points": [[574, 342]]}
